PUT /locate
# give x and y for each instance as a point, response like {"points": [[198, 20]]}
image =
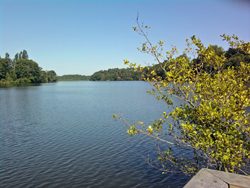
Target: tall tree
{"points": [[7, 56], [20, 55], [25, 55], [16, 57]]}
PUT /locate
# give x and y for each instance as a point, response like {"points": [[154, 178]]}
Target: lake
{"points": [[63, 135]]}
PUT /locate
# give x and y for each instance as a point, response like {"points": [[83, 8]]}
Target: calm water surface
{"points": [[63, 135]]}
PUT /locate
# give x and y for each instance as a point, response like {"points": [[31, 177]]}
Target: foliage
{"points": [[115, 75], [22, 70], [51, 76], [73, 77], [211, 122], [29, 69], [4, 68]]}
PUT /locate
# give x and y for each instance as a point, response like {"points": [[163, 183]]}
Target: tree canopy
{"points": [[22, 70], [211, 122], [116, 75]]}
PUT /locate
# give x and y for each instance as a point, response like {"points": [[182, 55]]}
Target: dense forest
{"points": [[21, 70]]}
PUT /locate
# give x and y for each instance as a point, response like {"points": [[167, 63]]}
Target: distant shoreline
{"points": [[114, 74], [99, 81]]}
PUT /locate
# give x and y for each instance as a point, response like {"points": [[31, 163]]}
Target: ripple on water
{"points": [[63, 135]]}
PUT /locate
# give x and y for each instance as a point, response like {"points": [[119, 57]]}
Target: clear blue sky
{"points": [[84, 36]]}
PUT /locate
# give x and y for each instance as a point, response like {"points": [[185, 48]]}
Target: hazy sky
{"points": [[84, 36]]}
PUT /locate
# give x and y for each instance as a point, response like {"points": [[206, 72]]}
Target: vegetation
{"points": [[21, 70], [116, 75], [210, 127], [72, 77]]}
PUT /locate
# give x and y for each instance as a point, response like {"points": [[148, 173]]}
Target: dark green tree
{"points": [[21, 71], [235, 56], [7, 56], [29, 70], [44, 77], [20, 55], [16, 57], [25, 55], [116, 75], [4, 68], [51, 75]]}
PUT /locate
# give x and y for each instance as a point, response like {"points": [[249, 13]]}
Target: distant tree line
{"points": [[21, 70], [114, 74], [234, 58], [72, 77]]}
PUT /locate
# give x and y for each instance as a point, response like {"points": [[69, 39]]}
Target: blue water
{"points": [[63, 135]]}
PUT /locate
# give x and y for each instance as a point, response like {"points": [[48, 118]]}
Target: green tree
{"points": [[211, 122], [51, 75], [116, 75], [20, 55], [235, 56], [16, 57], [44, 77], [4, 68], [25, 55], [22, 70], [7, 56], [29, 70]]}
